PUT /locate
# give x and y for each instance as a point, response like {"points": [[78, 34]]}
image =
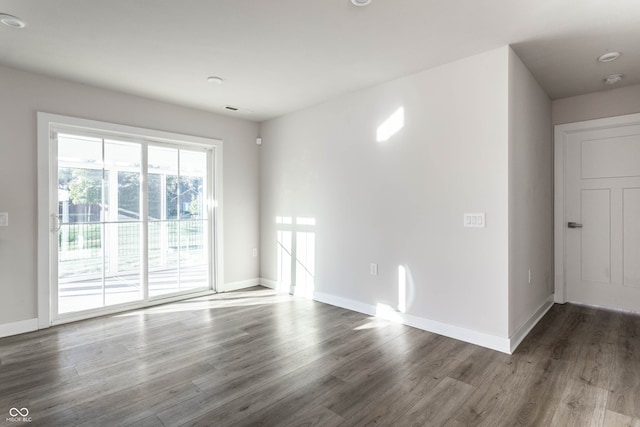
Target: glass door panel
{"points": [[178, 223], [99, 240], [80, 195], [122, 223], [164, 239], [194, 250]]}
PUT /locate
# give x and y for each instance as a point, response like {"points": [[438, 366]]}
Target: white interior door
{"points": [[601, 221]]}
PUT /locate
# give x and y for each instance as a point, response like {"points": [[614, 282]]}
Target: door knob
{"points": [[574, 225]]}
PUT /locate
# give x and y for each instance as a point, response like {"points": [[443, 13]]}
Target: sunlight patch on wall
{"points": [[284, 252], [391, 126], [284, 220], [296, 255], [305, 263], [402, 289]]}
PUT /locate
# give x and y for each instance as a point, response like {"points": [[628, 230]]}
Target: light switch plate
{"points": [[4, 219], [475, 220]]}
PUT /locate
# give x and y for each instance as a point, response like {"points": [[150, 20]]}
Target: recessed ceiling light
{"points": [[613, 78], [215, 80], [12, 21], [360, 2], [608, 57]]}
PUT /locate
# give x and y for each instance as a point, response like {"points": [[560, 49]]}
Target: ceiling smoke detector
{"points": [[12, 21], [613, 79], [609, 56], [360, 2]]}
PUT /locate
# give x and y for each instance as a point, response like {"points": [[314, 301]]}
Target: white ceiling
{"points": [[277, 56]]}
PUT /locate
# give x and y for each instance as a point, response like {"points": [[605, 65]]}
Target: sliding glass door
{"points": [[133, 222]]}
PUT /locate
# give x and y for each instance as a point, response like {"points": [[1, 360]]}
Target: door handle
{"points": [[574, 225], [56, 223]]}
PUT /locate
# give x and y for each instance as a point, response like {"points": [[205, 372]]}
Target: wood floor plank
{"points": [[439, 405], [478, 366], [256, 357], [540, 392], [624, 396], [317, 416], [500, 399], [258, 398], [294, 403], [543, 334], [597, 355], [150, 421], [106, 403], [614, 419], [391, 351], [581, 405]]}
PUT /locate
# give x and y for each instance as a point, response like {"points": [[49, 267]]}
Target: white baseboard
{"points": [[243, 284], [493, 342], [527, 326], [15, 328], [268, 283], [349, 304], [468, 335]]}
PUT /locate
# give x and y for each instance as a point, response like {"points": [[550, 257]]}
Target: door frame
{"points": [[47, 171], [560, 138]]}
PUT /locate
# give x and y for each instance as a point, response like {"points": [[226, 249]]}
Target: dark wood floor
{"points": [[260, 358]]}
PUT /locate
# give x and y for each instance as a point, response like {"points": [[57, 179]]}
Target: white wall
{"points": [[401, 202], [608, 103], [530, 195], [24, 94]]}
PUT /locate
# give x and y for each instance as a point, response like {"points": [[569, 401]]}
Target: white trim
{"points": [[349, 304], [243, 284], [521, 333], [44, 274], [218, 232], [560, 134], [558, 216], [268, 283], [21, 327], [492, 342], [47, 174]]}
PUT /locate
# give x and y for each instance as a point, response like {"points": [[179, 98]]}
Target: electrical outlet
{"points": [[254, 252], [529, 276], [4, 219], [373, 269]]}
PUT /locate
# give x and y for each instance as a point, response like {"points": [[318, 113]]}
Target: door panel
{"points": [[613, 157], [631, 236], [595, 253]]}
